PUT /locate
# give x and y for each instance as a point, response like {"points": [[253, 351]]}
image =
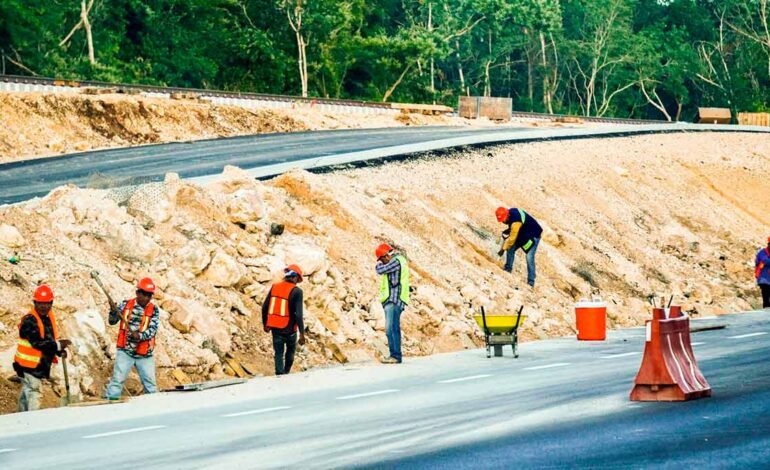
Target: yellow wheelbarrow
{"points": [[500, 330]]}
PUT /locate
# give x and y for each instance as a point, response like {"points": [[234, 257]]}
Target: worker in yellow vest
{"points": [[282, 316], [394, 295], [37, 348]]}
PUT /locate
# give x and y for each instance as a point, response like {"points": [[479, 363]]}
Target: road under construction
{"points": [[562, 403]]}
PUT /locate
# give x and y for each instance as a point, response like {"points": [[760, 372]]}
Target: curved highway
{"points": [[272, 154]]}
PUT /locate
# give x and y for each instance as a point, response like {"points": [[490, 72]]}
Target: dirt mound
{"points": [[37, 124], [623, 218]]}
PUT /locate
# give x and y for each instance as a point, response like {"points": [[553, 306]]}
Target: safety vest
{"points": [[403, 281], [144, 347], [27, 356], [278, 309]]}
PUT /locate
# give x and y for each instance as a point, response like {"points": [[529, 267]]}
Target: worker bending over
{"points": [[523, 232]]}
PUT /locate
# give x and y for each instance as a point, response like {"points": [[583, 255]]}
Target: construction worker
{"points": [[282, 315], [138, 318], [394, 295], [523, 232], [762, 273], [38, 346]]}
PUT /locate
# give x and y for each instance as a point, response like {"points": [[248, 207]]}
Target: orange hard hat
{"points": [[295, 269], [43, 293], [383, 250], [502, 214], [146, 285]]}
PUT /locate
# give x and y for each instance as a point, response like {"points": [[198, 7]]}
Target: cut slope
{"points": [[623, 218]]}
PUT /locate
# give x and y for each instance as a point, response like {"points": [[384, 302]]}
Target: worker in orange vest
{"points": [[138, 319], [37, 348], [282, 315]]}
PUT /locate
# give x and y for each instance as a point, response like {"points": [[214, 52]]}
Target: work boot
{"points": [[390, 360]]}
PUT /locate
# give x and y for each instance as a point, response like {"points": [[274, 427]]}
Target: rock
{"points": [[180, 317], [130, 242], [432, 297], [193, 257], [248, 250], [208, 323], [309, 257], [224, 270], [276, 229], [153, 203], [10, 237], [375, 311], [233, 179], [245, 206], [255, 290]]}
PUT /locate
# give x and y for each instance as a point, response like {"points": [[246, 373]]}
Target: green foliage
{"points": [[628, 58]]}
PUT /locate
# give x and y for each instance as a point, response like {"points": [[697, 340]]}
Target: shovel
{"points": [[67, 399]]}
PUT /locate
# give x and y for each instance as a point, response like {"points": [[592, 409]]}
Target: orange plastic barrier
{"points": [[591, 320], [669, 371]]}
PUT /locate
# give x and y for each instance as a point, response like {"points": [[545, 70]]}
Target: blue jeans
{"points": [[531, 274], [145, 367], [393, 329]]}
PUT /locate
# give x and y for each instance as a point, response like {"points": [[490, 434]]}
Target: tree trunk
{"points": [[87, 27], [547, 93], [432, 64], [396, 84]]}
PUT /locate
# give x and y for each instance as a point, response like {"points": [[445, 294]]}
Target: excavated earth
{"points": [[42, 124], [624, 218]]}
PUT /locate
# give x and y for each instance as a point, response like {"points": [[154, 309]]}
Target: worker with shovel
{"points": [[138, 319], [523, 232], [37, 348]]}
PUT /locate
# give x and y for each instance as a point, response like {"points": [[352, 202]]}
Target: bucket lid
{"points": [[595, 303]]}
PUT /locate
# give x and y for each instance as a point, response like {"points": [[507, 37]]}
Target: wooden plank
{"points": [[754, 119], [714, 115]]}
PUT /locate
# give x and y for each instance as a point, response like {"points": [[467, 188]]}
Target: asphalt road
{"points": [[24, 180], [562, 404]]}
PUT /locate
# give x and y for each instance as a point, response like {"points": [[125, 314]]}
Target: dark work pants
{"points": [[765, 288], [284, 344]]}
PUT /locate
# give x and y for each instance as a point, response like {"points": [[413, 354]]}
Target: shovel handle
{"points": [[95, 275]]}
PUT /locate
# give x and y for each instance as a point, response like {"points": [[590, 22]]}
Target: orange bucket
{"points": [[591, 320]]}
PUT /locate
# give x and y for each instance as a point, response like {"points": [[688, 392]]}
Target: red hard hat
{"points": [[294, 268], [146, 285], [43, 293], [383, 250], [502, 214], [768, 240]]}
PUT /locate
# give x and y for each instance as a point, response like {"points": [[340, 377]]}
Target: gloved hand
{"points": [[266, 328], [63, 354], [135, 336], [501, 253], [302, 339]]}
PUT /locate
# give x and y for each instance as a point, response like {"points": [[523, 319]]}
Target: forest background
{"points": [[656, 59]]}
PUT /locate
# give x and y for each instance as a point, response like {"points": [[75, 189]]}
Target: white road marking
{"points": [[548, 366], [123, 431], [697, 343], [463, 379], [254, 412], [612, 356], [748, 335], [5, 451], [370, 394]]}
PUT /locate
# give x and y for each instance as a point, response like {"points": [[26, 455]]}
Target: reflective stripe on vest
{"points": [[403, 281], [278, 310], [143, 347], [527, 245], [522, 215], [26, 355]]}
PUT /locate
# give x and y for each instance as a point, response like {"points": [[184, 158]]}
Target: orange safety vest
{"points": [[144, 347], [278, 310], [27, 356]]}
